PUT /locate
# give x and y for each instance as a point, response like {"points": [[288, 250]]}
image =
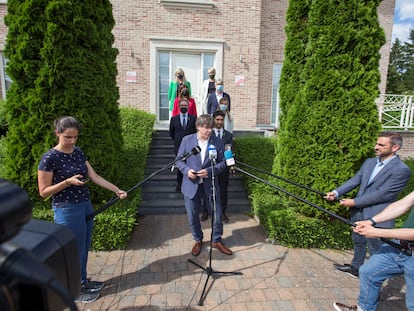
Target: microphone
{"points": [[196, 150], [230, 162], [228, 155], [212, 152]]}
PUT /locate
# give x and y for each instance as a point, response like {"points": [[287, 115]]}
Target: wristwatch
{"points": [[374, 223]]}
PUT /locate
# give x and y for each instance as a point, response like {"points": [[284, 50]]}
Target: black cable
{"points": [[194, 151]]}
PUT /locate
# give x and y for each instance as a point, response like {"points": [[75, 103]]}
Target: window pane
{"points": [[163, 82], [277, 69], [164, 59], [208, 62]]}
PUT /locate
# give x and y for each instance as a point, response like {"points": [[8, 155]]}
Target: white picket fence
{"points": [[396, 111]]}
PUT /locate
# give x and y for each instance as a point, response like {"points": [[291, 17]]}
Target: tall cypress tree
{"points": [[333, 124], [294, 60], [75, 75]]}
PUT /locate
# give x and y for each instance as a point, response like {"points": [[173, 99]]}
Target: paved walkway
{"points": [[153, 273]]}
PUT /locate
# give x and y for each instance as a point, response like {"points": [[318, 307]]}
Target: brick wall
{"points": [[253, 36], [407, 151]]}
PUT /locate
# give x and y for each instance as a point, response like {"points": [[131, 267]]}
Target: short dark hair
{"points": [[218, 113], [183, 100], [394, 137]]}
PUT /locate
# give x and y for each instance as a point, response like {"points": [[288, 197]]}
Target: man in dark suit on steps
{"points": [[181, 125], [223, 177]]}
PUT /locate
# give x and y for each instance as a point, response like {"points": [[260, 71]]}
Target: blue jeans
{"points": [[361, 242], [387, 262], [73, 216], [193, 207]]}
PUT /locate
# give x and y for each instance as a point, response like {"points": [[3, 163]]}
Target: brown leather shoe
{"points": [[196, 248], [220, 246]]}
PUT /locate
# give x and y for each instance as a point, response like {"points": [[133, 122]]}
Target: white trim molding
{"points": [[197, 45], [208, 4]]}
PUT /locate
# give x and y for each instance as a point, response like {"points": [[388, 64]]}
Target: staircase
{"points": [[158, 194]]}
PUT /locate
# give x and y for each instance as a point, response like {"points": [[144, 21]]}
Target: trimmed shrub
{"points": [[113, 227]]}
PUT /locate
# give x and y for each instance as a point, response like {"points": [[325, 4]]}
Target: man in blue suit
{"points": [[214, 98], [380, 179], [197, 181]]}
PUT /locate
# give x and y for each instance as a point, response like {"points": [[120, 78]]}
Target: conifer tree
{"points": [[62, 62], [294, 61], [333, 122]]}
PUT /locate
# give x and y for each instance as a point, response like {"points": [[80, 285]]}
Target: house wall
{"points": [[252, 34], [235, 23]]}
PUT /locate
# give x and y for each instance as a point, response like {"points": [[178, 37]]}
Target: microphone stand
{"points": [[284, 179], [104, 207], [214, 218], [348, 222]]}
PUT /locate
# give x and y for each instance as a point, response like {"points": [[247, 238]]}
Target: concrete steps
{"points": [[158, 194]]}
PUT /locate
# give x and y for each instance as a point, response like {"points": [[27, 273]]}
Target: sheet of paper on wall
{"points": [[239, 80], [131, 76]]}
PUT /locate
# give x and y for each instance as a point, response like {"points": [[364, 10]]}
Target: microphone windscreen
{"points": [[196, 150], [228, 154]]}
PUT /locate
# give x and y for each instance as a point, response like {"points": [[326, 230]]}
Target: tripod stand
{"points": [[214, 219]]}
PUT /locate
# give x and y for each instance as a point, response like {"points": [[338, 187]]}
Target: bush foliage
{"points": [[331, 121], [61, 62], [113, 227]]}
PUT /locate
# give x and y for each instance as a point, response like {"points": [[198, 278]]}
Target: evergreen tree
{"points": [[294, 61], [395, 84], [333, 124], [68, 70], [400, 78]]}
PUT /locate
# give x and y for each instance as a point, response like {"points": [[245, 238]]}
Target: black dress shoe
{"points": [[347, 269], [225, 219]]}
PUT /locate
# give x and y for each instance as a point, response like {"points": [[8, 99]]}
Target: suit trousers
{"points": [[193, 207], [223, 180], [361, 242]]}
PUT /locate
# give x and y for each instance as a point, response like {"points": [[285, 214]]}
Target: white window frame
{"points": [[208, 4], [180, 44]]}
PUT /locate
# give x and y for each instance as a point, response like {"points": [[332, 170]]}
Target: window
{"points": [[5, 79], [164, 79], [277, 69], [208, 4], [208, 62]]}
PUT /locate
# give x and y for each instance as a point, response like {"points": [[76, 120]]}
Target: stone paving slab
{"points": [[154, 273]]}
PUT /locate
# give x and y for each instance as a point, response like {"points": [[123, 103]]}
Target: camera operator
{"points": [[63, 173]]}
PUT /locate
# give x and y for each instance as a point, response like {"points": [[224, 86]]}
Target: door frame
{"points": [[179, 45]]}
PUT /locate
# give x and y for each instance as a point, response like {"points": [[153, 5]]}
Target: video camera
{"points": [[39, 261]]}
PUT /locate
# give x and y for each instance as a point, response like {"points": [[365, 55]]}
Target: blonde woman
{"points": [[173, 91]]}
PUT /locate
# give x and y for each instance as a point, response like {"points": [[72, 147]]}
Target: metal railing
{"points": [[396, 111]]}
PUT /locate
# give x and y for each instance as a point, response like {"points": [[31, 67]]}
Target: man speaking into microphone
{"points": [[197, 181]]}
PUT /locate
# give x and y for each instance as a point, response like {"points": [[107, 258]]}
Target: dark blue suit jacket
{"points": [[373, 197], [189, 187], [212, 103], [177, 132]]}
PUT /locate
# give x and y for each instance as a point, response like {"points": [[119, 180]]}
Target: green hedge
{"points": [[280, 215], [113, 227]]}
